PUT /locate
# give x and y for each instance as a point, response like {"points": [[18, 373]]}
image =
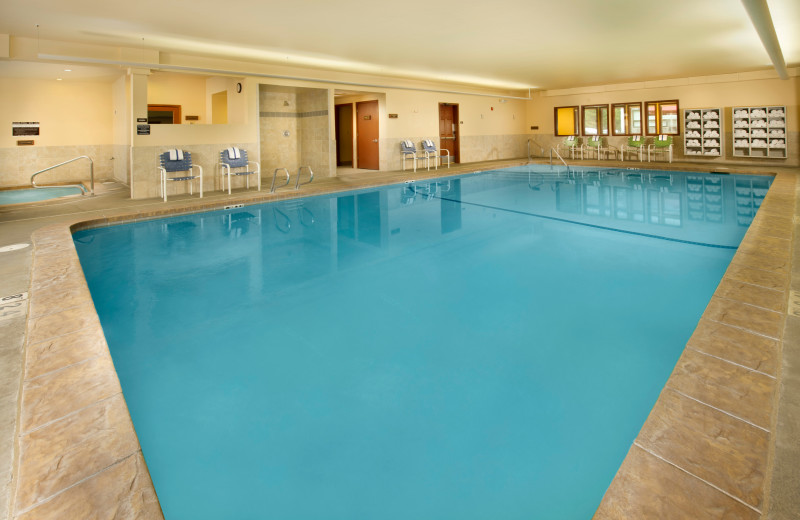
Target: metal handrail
{"points": [[275, 174], [81, 186], [559, 156], [529, 148], [298, 183]]}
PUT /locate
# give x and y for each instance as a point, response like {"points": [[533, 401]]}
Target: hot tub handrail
{"points": [[81, 186]]}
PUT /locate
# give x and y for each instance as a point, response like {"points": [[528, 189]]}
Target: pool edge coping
{"points": [[50, 236]]}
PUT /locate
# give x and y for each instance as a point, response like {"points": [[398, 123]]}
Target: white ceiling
{"points": [[507, 43]]}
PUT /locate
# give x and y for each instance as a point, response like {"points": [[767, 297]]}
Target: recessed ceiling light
{"points": [[58, 79], [67, 70]]}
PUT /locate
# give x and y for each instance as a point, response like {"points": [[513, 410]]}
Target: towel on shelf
{"points": [[175, 155], [234, 153]]}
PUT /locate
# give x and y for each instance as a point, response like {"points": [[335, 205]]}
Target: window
{"points": [[595, 120], [662, 117], [164, 114], [627, 119], [566, 121]]}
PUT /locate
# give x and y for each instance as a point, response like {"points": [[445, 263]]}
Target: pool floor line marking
{"points": [[606, 228], [720, 410], [81, 481], [690, 347], [636, 443], [70, 414], [744, 329]]}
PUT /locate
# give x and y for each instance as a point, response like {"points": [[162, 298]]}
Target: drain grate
{"points": [[13, 247]]}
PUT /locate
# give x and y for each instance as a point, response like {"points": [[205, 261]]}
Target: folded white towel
{"points": [[234, 153], [428, 143], [175, 155]]}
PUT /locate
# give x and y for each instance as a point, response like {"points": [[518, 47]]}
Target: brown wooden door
{"points": [[448, 130], [367, 135]]}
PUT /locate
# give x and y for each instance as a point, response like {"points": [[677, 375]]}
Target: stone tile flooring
{"points": [[704, 451]]}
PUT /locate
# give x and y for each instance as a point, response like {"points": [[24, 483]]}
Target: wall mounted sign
{"points": [[142, 129], [392, 116], [141, 119], [24, 142], [24, 128]]}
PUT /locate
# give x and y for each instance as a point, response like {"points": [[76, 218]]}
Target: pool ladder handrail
{"points": [[559, 156], [81, 186], [272, 188], [298, 183]]}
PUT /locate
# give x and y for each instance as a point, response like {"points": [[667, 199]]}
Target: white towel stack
{"points": [[234, 153], [740, 113], [175, 155], [711, 124], [711, 115], [741, 143]]}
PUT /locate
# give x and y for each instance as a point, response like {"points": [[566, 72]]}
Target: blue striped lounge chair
{"points": [[176, 165], [233, 163]]}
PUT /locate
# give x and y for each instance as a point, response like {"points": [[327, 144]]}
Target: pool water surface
{"points": [[484, 346]]}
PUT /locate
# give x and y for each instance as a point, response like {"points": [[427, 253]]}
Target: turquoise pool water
{"points": [[36, 194], [485, 346]]}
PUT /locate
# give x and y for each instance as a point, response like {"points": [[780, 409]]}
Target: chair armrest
{"points": [[199, 168], [256, 166]]}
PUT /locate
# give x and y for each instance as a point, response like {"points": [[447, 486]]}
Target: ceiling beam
{"points": [[762, 21]]}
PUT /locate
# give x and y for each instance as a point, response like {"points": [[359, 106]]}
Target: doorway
{"points": [[344, 134], [449, 135], [367, 135]]}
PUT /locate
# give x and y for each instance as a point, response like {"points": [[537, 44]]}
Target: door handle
{"points": [[374, 140]]}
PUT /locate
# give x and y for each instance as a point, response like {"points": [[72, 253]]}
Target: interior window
{"points": [[662, 117], [627, 119], [595, 120], [566, 120]]}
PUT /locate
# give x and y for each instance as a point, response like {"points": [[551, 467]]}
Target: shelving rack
{"points": [[760, 132], [702, 132]]}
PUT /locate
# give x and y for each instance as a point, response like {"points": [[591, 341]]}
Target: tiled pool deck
{"points": [[706, 450]]}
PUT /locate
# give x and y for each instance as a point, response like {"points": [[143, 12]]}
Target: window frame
{"points": [[659, 128], [576, 113], [628, 118], [583, 120]]}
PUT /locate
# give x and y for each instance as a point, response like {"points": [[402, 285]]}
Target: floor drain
{"points": [[13, 247]]}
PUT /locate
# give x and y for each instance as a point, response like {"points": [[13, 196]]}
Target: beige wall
{"points": [[76, 119], [751, 89], [186, 90]]}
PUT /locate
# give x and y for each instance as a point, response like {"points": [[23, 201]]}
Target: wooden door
{"points": [[367, 135], [448, 130]]}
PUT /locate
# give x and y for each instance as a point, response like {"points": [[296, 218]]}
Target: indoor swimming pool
{"points": [[36, 194], [471, 347]]}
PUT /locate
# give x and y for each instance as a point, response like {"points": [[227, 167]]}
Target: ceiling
{"points": [[544, 44]]}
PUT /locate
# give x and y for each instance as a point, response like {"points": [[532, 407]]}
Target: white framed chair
{"points": [[409, 151], [176, 161], [599, 146], [430, 151], [662, 145], [636, 145], [233, 163], [572, 144]]}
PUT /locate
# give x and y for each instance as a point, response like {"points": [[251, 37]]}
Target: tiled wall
{"points": [[147, 177], [19, 163], [294, 128]]}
